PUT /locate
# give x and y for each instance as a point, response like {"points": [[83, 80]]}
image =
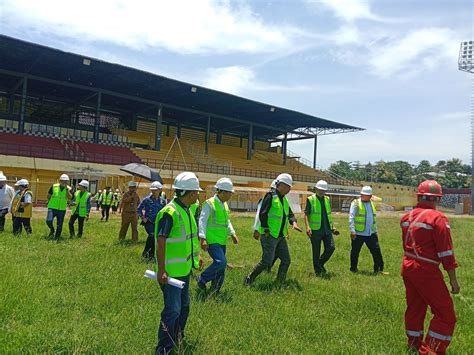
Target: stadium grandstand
{"points": [[67, 112]]}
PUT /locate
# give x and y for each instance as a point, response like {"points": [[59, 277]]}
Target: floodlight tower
{"points": [[466, 63]]}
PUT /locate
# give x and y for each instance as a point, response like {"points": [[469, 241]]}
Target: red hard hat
{"points": [[430, 188]]}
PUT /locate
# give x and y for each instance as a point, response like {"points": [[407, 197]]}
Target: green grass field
{"points": [[90, 295]]}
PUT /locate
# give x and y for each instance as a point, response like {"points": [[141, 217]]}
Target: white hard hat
{"points": [[84, 183], [156, 185], [117, 190], [3, 178], [322, 185], [366, 190], [132, 184], [100, 190], [225, 184], [186, 181], [285, 178], [22, 182], [64, 177], [273, 184]]}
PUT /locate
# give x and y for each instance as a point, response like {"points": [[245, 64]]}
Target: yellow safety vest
{"points": [[315, 217], [361, 216], [116, 199], [27, 210]]}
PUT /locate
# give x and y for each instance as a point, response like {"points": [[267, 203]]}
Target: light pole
{"points": [[466, 63]]}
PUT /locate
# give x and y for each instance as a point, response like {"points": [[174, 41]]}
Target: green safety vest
{"points": [[58, 200], [107, 198], [116, 200], [361, 216], [275, 216], [181, 252], [163, 194], [81, 203], [315, 217], [216, 229], [194, 207]]}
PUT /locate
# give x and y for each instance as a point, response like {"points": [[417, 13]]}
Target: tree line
{"points": [[450, 173]]}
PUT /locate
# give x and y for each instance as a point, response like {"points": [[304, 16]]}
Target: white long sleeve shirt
{"points": [[256, 224], [204, 218], [6, 196], [369, 219]]}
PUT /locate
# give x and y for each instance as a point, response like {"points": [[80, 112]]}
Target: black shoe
{"points": [[248, 281], [354, 270], [201, 285], [79, 235]]}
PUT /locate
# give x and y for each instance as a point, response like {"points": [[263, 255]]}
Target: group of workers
{"points": [[178, 229], [425, 233]]}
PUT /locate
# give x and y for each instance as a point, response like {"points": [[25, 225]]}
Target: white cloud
{"points": [[418, 50], [440, 139], [197, 26], [233, 79], [238, 80], [348, 10]]}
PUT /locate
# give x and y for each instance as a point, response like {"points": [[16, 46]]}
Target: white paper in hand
{"points": [[171, 281]]}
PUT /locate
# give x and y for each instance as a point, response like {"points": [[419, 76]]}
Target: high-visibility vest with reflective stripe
{"points": [[58, 200], [180, 252], [217, 224], [81, 203], [315, 217], [116, 199], [361, 216], [27, 210], [107, 198], [275, 216]]}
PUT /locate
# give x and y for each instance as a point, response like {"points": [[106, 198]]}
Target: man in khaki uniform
{"points": [[130, 202]]}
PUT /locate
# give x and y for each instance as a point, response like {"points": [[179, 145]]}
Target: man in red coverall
{"points": [[427, 243]]}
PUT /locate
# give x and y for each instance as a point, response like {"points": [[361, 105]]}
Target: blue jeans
{"points": [[60, 220], [216, 271], [174, 315]]}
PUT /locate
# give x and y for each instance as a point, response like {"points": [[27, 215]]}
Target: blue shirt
{"points": [[151, 206]]}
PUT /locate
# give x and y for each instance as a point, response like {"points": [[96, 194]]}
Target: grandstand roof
{"points": [[73, 78]]}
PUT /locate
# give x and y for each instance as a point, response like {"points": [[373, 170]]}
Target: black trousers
{"points": [[273, 248], [329, 247], [372, 243], [149, 251], [105, 212], [3, 213], [18, 223], [72, 220]]}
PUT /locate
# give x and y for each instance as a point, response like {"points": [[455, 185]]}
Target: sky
{"points": [[389, 66]]}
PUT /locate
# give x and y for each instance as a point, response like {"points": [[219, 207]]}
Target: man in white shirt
{"points": [[214, 228], [363, 227], [6, 196]]}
